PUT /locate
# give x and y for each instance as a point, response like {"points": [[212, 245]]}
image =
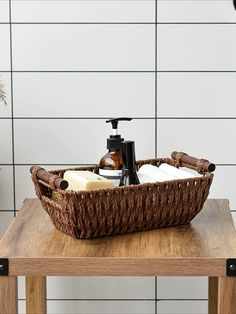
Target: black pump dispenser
{"points": [[115, 140]]}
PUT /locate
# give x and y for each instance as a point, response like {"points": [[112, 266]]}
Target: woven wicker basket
{"points": [[90, 214]]}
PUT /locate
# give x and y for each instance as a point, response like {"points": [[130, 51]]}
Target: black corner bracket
{"points": [[231, 267], [234, 4], [4, 266]]}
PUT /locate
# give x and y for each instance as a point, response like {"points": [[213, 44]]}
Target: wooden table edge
{"points": [[112, 266]]}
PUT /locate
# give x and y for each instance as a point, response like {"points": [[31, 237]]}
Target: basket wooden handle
{"points": [[50, 179], [201, 164]]}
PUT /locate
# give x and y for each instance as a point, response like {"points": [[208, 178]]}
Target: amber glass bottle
{"points": [[111, 164]]}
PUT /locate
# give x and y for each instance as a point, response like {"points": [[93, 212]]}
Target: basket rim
{"points": [[138, 186]]}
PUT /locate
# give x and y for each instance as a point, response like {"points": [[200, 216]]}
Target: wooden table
{"points": [[33, 248]]}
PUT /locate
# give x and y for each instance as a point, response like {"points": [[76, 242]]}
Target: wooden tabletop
{"points": [[34, 247]]}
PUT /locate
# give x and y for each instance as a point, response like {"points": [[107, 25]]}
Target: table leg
{"points": [[213, 295], [8, 295], [227, 295], [35, 295]]}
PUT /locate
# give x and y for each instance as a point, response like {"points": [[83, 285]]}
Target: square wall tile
{"points": [[101, 287], [223, 184], [210, 139], [196, 47], [96, 307], [4, 11], [74, 47], [76, 141], [6, 141], [5, 219], [21, 288], [5, 79], [84, 94], [182, 307], [5, 47], [196, 94], [182, 288], [25, 190], [6, 188], [83, 11], [195, 11]]}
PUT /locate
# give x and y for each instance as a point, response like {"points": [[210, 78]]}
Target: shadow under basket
{"points": [[91, 214]]}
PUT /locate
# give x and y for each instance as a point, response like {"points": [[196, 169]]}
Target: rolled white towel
{"points": [[154, 173], [145, 179], [179, 173]]}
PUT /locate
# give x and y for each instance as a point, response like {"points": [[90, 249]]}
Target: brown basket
{"points": [[90, 214]]}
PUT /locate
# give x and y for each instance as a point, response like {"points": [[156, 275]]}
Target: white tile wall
{"points": [[81, 143], [182, 307], [83, 11], [4, 13], [84, 94], [182, 288], [198, 47], [234, 217], [5, 47], [6, 141], [5, 219], [195, 11], [97, 307], [26, 190], [93, 288], [54, 44], [223, 184], [196, 94], [83, 47], [6, 188], [5, 111], [206, 137]]}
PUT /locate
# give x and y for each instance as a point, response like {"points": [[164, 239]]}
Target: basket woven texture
{"points": [[91, 214]]}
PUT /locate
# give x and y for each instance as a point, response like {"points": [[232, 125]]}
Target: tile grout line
{"points": [[155, 294], [118, 71], [103, 118], [119, 23], [118, 300], [155, 130], [12, 112], [155, 110]]}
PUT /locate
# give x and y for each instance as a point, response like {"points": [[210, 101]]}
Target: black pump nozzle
{"points": [[115, 121], [114, 142]]}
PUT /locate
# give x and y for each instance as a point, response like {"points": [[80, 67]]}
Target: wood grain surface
{"points": [[227, 295], [213, 295], [35, 295], [8, 295], [199, 248]]}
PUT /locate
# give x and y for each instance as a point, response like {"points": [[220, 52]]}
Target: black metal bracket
{"points": [[234, 4], [4, 267], [231, 267]]}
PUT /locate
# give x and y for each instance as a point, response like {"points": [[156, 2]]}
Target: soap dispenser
{"points": [[111, 164]]}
